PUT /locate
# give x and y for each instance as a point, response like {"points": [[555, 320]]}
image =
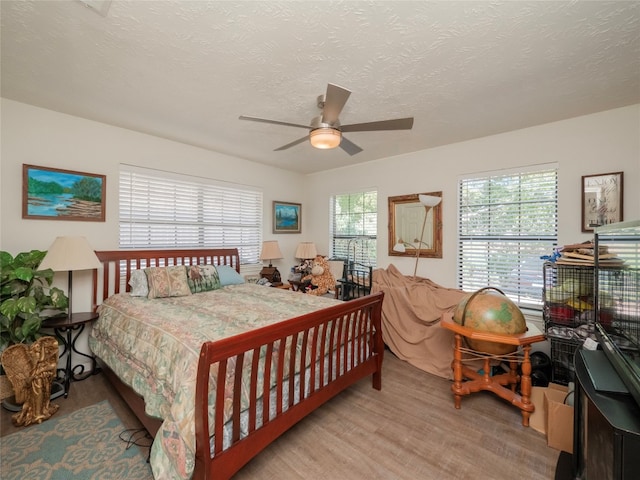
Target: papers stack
{"points": [[583, 254]]}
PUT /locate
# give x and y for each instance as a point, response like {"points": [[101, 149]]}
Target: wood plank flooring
{"points": [[409, 430]]}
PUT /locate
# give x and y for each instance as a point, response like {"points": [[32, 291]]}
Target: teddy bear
{"points": [[320, 280]]}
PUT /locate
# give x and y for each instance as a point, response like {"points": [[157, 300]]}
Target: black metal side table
{"points": [[67, 330]]}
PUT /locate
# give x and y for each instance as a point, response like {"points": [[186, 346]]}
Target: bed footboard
{"points": [[275, 376]]}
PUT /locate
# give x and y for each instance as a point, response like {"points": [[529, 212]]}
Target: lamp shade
{"points": [[70, 253], [400, 247], [270, 250], [306, 250], [429, 200], [325, 137]]}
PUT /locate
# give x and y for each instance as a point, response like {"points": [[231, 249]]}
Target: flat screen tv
{"points": [[617, 281]]}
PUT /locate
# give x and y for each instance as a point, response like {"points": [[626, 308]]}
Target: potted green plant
{"points": [[26, 297]]}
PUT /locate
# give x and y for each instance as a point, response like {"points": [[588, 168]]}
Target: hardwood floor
{"points": [[409, 430]]}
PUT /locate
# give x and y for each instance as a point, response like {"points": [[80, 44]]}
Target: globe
{"points": [[489, 310]]}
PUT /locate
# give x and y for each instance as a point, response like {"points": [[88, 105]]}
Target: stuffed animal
{"points": [[321, 280]]}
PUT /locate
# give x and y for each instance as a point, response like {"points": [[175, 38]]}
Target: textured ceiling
{"points": [[185, 70]]}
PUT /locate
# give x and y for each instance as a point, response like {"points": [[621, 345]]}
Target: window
{"points": [[165, 210], [354, 226], [507, 221]]}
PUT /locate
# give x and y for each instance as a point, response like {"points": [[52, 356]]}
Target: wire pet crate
{"points": [[569, 314], [618, 312], [562, 351], [568, 299]]}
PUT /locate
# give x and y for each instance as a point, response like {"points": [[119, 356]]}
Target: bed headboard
{"points": [[117, 265]]}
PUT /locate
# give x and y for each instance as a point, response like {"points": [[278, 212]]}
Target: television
{"points": [[617, 309]]}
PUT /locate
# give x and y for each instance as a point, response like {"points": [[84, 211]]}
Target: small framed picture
{"points": [[601, 200], [56, 194], [287, 217]]}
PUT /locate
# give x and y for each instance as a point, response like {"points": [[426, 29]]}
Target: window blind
{"points": [[354, 226], [506, 222], [166, 210]]}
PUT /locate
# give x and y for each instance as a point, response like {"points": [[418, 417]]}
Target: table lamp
{"points": [[69, 254], [306, 251], [271, 251]]}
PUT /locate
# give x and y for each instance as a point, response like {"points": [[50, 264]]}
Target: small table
{"points": [[282, 286], [496, 383], [69, 324], [296, 285]]}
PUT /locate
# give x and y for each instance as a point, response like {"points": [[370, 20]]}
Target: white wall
{"points": [[43, 137], [600, 143]]}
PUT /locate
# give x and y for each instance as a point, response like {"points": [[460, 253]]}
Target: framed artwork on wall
{"points": [[287, 217], [601, 200], [56, 194]]}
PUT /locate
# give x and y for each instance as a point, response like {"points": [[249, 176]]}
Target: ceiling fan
{"points": [[325, 130]]}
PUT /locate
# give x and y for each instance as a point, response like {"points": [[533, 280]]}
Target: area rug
{"points": [[90, 443]]}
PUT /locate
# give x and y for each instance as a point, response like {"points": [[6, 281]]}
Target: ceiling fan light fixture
{"points": [[325, 137]]}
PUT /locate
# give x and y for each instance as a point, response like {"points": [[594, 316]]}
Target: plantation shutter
{"points": [[166, 210], [507, 221]]}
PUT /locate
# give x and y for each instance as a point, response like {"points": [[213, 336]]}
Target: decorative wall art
{"points": [[287, 217], [56, 194], [601, 200]]}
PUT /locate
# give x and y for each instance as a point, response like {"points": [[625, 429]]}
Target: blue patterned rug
{"points": [[90, 443]]}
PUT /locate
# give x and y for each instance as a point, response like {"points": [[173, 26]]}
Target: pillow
{"points": [[228, 275], [167, 281], [203, 278], [138, 283]]}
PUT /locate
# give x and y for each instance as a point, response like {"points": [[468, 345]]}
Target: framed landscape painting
{"points": [[286, 217], [56, 194]]}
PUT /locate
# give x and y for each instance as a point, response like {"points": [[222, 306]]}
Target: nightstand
{"points": [[296, 285], [67, 329]]}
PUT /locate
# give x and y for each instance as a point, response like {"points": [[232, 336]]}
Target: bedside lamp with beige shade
{"points": [[70, 254], [271, 251], [306, 251]]}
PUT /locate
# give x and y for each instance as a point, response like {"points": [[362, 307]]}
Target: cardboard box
{"points": [[558, 418], [538, 417]]}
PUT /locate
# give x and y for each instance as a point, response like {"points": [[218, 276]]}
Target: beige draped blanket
{"points": [[411, 313]]}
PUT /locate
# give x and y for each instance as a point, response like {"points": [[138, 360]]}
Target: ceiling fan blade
{"points": [[349, 147], [334, 101], [397, 124], [276, 122], [292, 144]]}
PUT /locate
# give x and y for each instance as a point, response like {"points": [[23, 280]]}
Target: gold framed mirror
{"points": [[407, 216]]}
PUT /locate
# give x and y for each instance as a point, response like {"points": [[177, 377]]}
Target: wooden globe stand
{"points": [[467, 381]]}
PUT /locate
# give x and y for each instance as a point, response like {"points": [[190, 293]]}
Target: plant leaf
{"points": [[58, 298], [10, 308], [23, 273], [31, 326]]}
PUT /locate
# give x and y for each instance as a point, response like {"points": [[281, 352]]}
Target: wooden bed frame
{"points": [[342, 344]]}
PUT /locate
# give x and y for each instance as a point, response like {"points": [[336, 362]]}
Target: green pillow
{"points": [[203, 278]]}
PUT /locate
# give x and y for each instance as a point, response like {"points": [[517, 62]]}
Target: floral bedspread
{"points": [[153, 345]]}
